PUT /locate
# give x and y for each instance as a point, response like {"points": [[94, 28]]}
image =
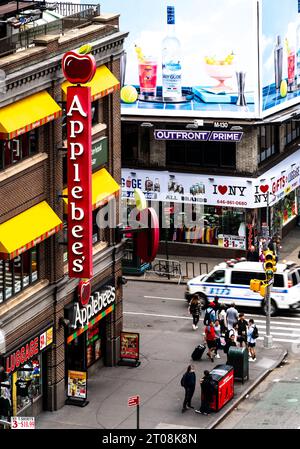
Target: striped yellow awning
{"points": [[24, 115], [103, 83], [104, 188], [27, 230]]}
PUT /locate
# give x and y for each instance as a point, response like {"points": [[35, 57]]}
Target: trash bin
{"points": [[239, 359], [223, 380]]}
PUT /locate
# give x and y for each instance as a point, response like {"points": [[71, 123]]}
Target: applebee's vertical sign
{"points": [[79, 68]]}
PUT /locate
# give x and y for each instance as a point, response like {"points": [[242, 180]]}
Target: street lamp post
{"points": [[268, 339]]}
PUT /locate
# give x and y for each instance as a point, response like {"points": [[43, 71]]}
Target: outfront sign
{"points": [[212, 136], [79, 182]]}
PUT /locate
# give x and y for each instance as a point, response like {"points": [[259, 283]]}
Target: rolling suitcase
{"points": [[198, 351]]}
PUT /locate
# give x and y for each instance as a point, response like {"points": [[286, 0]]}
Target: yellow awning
{"points": [[104, 188], [29, 113], [28, 229], [103, 83]]}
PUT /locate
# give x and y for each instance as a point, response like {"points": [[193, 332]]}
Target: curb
{"points": [[249, 389], [159, 281]]}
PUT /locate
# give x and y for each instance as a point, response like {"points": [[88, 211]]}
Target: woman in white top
{"points": [[222, 319]]}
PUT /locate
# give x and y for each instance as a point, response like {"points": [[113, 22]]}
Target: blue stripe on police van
{"points": [[233, 286], [234, 298]]}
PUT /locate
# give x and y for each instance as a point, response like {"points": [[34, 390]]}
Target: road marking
{"points": [[289, 334], [278, 317], [278, 322], [161, 297], [162, 316]]}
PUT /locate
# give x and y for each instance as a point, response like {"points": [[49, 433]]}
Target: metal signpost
{"points": [[268, 339], [134, 401]]}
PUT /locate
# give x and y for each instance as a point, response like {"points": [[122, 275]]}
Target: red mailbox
{"points": [[223, 380]]}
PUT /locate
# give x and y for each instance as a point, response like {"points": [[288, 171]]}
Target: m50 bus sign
{"points": [[204, 136]]}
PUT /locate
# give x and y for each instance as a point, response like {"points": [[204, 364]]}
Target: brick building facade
{"points": [[35, 290]]}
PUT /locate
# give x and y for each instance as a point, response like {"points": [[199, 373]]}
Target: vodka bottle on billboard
{"points": [[171, 59], [278, 57]]}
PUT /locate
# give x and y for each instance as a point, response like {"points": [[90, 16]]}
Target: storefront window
{"points": [[29, 383], [130, 136], [283, 212], [292, 131], [93, 345], [18, 273], [268, 142], [15, 150]]}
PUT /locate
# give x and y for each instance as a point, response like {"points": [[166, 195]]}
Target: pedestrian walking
{"points": [[207, 391], [188, 381], [222, 319], [232, 316], [252, 254], [252, 335], [218, 338], [216, 304], [242, 327], [195, 310], [210, 338], [229, 343], [210, 314]]}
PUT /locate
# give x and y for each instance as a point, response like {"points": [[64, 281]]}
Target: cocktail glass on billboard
{"points": [[147, 66], [291, 68]]}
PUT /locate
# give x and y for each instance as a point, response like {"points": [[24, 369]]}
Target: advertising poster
{"points": [[77, 384], [129, 345], [280, 54], [226, 191], [198, 59]]}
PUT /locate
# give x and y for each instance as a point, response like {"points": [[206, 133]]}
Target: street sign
{"points": [[133, 401]]}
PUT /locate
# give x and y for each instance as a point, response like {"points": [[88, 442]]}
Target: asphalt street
{"points": [[162, 306]]}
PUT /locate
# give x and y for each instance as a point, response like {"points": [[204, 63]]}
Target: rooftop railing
{"points": [[24, 39]]}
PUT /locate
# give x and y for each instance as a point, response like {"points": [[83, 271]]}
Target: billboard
{"points": [[279, 54], [198, 59]]}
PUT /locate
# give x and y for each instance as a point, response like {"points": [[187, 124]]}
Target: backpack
{"points": [[207, 317], [255, 333], [182, 382]]}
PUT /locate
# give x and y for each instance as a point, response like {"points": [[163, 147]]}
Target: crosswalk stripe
{"points": [[278, 317], [273, 323], [288, 334], [279, 339]]}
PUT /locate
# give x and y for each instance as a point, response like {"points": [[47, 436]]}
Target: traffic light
{"points": [[263, 289], [270, 263], [258, 286], [255, 285]]}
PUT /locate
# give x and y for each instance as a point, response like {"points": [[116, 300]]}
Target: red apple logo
{"points": [[84, 291], [78, 68]]}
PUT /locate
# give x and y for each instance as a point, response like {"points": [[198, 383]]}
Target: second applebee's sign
{"points": [[80, 69]]}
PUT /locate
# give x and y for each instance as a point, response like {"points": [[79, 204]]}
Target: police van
{"points": [[230, 281]]}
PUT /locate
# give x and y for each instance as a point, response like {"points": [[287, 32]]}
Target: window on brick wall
{"points": [[292, 131], [268, 142], [130, 138], [15, 150], [201, 154], [18, 273]]}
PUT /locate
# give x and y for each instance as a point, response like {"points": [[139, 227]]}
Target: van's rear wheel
{"points": [[273, 310], [203, 300]]}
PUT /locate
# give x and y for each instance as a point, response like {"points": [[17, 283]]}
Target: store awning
{"points": [[27, 114], [27, 230], [104, 188], [103, 83]]}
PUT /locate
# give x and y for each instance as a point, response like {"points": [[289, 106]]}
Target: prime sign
{"points": [[79, 182]]}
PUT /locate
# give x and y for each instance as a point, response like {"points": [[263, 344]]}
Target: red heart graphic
{"points": [[264, 189], [222, 189]]}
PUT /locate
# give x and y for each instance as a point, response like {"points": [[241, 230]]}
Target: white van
{"points": [[230, 281]]}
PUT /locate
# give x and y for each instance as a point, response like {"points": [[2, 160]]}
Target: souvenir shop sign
{"points": [[77, 384], [212, 136], [233, 241], [250, 193], [28, 350]]}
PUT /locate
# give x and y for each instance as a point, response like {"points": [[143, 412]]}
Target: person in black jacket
{"points": [[189, 384], [207, 391], [252, 255], [195, 310], [242, 330]]}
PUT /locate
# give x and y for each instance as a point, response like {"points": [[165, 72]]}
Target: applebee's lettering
{"points": [[98, 301], [79, 182]]}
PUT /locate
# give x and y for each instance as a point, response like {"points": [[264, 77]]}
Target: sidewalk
{"points": [[157, 381], [290, 249]]}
